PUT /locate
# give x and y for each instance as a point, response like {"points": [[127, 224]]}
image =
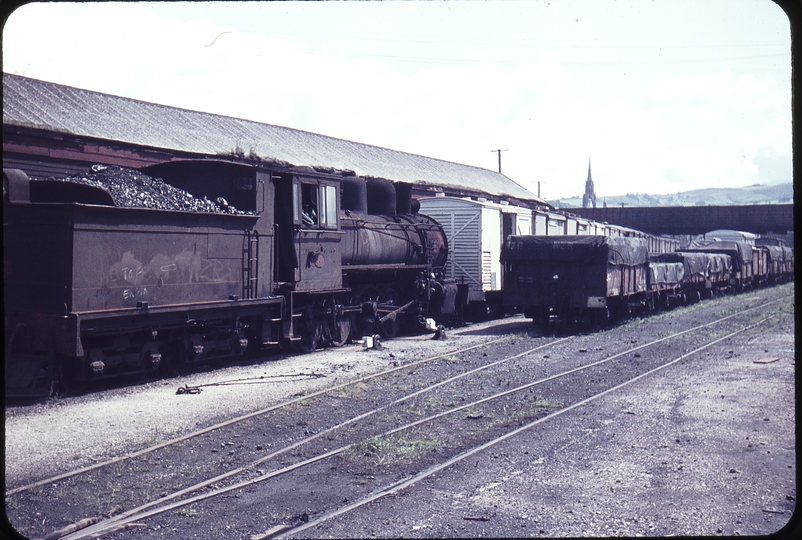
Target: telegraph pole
{"points": [[499, 157]]}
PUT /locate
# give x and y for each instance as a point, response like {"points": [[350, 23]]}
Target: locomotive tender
{"points": [[94, 289]]}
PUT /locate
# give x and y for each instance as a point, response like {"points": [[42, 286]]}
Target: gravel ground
{"points": [[705, 447]]}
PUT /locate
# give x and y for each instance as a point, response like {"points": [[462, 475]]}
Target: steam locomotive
{"points": [[96, 288]]}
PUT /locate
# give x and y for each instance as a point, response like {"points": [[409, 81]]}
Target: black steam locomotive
{"points": [[101, 283]]}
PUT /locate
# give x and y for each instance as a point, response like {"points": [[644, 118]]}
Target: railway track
{"points": [[407, 482], [390, 417], [227, 423]]}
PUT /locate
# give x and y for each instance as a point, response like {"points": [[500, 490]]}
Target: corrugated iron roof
{"points": [[44, 105]]}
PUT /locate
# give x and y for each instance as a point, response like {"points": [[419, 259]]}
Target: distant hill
{"points": [[757, 194]]}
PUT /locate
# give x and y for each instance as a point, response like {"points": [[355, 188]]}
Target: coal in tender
{"points": [[133, 189]]}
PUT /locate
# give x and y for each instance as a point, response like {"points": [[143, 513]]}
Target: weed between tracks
{"points": [[470, 426], [189, 511], [390, 450]]}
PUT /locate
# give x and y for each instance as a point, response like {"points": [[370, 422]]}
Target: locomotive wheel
{"points": [[389, 328], [68, 375], [339, 325], [310, 330], [367, 323]]}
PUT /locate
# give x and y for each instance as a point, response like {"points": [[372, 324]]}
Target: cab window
{"points": [[309, 205], [296, 203], [315, 204], [328, 206]]}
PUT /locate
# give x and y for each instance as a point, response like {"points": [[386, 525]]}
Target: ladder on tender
{"points": [[250, 265]]}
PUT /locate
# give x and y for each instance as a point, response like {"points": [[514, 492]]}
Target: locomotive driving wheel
{"points": [[310, 330], [338, 324], [366, 322], [67, 372]]}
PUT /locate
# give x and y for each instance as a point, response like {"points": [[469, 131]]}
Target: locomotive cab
{"points": [[313, 247]]}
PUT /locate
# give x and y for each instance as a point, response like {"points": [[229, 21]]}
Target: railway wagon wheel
{"points": [[391, 298], [603, 317], [310, 330], [593, 318], [541, 317]]}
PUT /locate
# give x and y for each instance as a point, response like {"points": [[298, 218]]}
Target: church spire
{"points": [[590, 193]]}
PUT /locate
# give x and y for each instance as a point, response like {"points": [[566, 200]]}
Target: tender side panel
{"points": [[125, 266]]}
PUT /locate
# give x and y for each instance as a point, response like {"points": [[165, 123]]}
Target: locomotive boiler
{"points": [[117, 271]]}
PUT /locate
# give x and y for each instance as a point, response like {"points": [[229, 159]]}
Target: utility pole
{"points": [[499, 157], [538, 188]]}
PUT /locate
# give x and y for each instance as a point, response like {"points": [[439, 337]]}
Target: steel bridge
{"points": [[693, 220]]}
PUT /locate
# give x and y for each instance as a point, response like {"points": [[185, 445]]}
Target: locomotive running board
{"points": [[176, 308]]}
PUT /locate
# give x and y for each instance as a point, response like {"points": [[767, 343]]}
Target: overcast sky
{"points": [[662, 96]]}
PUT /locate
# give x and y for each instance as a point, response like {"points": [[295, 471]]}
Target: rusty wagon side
{"points": [[575, 278]]}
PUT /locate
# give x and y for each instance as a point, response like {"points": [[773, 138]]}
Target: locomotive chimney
{"points": [[354, 195], [403, 198], [381, 197]]}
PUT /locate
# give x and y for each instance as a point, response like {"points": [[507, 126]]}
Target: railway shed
{"points": [[55, 130]]}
